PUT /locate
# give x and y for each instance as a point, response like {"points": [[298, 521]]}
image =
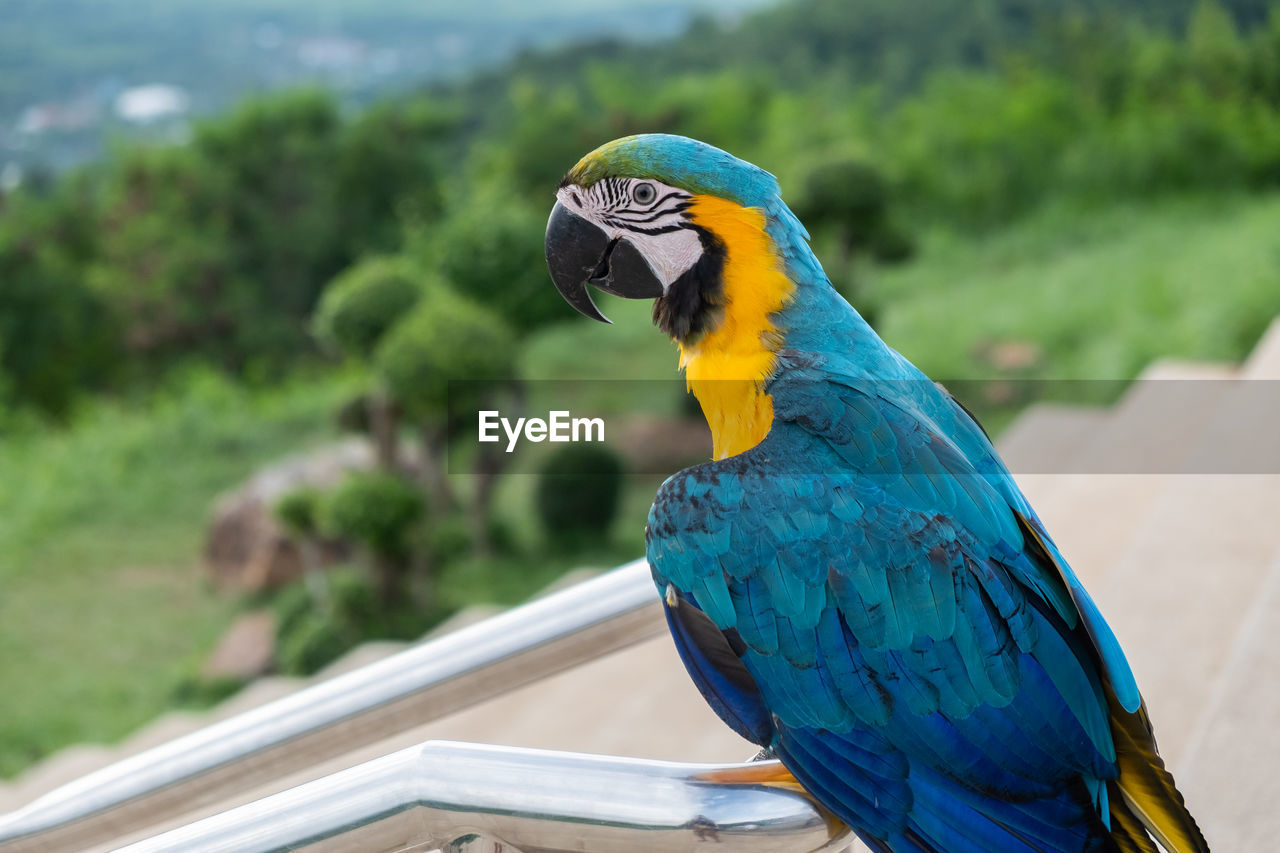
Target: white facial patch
{"points": [[651, 219], [669, 255]]}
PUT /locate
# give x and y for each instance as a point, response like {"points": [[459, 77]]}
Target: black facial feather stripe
{"points": [[661, 229], [650, 216]]}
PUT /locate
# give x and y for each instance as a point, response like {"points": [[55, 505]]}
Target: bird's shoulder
{"points": [[852, 459]]}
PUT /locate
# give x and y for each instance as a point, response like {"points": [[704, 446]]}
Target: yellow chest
{"points": [[726, 368]]}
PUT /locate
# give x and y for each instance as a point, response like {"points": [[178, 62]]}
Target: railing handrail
{"points": [[443, 795], [334, 717]]}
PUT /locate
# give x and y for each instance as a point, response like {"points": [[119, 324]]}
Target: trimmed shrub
{"points": [[577, 494], [298, 511], [446, 338], [376, 509], [308, 638], [366, 300], [315, 640]]}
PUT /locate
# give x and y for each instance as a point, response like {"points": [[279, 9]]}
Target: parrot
{"points": [[854, 581]]}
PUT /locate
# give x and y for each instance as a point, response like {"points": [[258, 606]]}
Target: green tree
{"points": [[387, 172], [167, 266], [550, 130], [450, 357], [221, 248], [57, 337], [1214, 46], [354, 314], [490, 249], [364, 301], [276, 156], [379, 511], [849, 199]]}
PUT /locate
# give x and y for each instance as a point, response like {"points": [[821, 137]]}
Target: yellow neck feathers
{"points": [[726, 368]]}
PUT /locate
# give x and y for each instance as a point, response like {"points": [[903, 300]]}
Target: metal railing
{"points": [[466, 798], [332, 718]]}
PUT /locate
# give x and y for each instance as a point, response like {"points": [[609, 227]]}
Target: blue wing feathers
{"points": [[928, 662], [855, 682], [874, 797], [720, 676], [757, 622], [798, 644], [1121, 676]]}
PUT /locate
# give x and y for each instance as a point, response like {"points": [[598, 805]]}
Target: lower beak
{"points": [[579, 252]]}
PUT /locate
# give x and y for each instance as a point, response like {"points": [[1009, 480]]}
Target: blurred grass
{"points": [[1099, 294], [104, 610]]}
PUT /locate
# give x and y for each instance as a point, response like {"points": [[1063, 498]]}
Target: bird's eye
{"points": [[644, 193]]}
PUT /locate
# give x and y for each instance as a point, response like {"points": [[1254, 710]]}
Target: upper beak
{"points": [[579, 252]]}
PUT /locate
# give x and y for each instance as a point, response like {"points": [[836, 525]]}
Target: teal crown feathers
{"points": [[681, 162]]}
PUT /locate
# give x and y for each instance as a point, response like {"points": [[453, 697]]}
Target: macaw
{"points": [[855, 582]]}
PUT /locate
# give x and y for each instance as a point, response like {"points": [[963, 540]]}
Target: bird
{"points": [[854, 581]]}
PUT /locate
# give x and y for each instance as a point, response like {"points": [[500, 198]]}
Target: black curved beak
{"points": [[580, 253]]}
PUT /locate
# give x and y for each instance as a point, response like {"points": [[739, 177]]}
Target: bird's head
{"points": [[656, 216]]}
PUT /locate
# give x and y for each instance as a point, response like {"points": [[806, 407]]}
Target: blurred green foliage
{"points": [[312, 641], [378, 510], [56, 337], [366, 300], [447, 337], [105, 614], [309, 638], [299, 511], [1096, 297], [214, 251], [490, 248], [579, 487], [375, 509]]}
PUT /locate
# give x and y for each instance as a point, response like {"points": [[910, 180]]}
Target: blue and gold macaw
{"points": [[855, 582]]}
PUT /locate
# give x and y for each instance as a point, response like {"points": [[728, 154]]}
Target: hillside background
{"points": [[307, 217]]}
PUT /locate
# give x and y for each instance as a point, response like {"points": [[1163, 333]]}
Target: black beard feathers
{"points": [[694, 303]]}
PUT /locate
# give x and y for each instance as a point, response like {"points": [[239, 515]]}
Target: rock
{"points": [[246, 651], [245, 548]]}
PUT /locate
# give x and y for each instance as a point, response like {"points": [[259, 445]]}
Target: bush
{"points": [[315, 640], [446, 338], [355, 603], [308, 639], [57, 336], [292, 605], [845, 192], [196, 692], [298, 511], [366, 300], [448, 539], [375, 509], [492, 253], [578, 490]]}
